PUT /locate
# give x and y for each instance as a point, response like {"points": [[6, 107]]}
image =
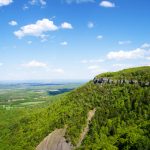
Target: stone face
{"points": [[147, 84], [121, 81], [131, 82], [55, 141], [95, 81], [105, 80]]}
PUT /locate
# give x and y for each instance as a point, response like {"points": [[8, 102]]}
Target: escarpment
{"points": [[121, 81]]}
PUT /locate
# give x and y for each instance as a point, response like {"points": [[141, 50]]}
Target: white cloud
{"points": [[90, 25], [66, 25], [121, 66], [64, 43], [96, 60], [78, 1], [107, 4], [44, 37], [43, 2], [93, 67], [39, 28], [25, 7], [13, 23], [92, 61], [124, 42], [35, 2], [148, 58], [5, 2], [36, 29], [35, 64], [117, 67], [29, 42], [99, 37], [132, 54], [58, 70], [145, 45], [84, 61]]}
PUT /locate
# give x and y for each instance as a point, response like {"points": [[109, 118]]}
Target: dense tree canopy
{"points": [[121, 121]]}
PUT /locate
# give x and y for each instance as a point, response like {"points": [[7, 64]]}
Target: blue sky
{"points": [[72, 39]]}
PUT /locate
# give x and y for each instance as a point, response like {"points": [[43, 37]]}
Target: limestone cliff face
{"points": [[55, 141]]}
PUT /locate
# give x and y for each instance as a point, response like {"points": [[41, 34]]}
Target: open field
{"points": [[28, 94]]}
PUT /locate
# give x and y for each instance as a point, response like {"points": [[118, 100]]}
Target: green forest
{"points": [[121, 121]]}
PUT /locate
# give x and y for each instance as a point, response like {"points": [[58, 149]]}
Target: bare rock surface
{"points": [[55, 141]]}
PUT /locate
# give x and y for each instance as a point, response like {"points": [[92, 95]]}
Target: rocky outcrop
{"points": [[55, 141], [121, 81]]}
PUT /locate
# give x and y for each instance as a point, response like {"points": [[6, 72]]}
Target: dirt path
{"points": [[86, 129]]}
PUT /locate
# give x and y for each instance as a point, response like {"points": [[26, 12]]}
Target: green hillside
{"points": [[121, 121]]}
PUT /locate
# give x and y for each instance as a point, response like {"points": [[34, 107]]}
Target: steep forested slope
{"points": [[121, 121]]}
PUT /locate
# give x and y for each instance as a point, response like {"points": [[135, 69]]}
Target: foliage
{"points": [[121, 121]]}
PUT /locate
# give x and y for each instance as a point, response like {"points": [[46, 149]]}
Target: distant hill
{"points": [[121, 120]]}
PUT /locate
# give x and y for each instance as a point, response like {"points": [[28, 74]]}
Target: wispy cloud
{"points": [[124, 42], [13, 23], [79, 1], [122, 66], [35, 64], [29, 42], [58, 70], [35, 2], [90, 25], [1, 64], [85, 61], [107, 4], [99, 37], [5, 2], [64, 43], [119, 55], [66, 25], [93, 67], [145, 45], [44, 37], [25, 7], [43, 2], [139, 53]]}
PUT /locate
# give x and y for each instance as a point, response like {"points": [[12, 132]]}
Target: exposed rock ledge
{"points": [[55, 141]]}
